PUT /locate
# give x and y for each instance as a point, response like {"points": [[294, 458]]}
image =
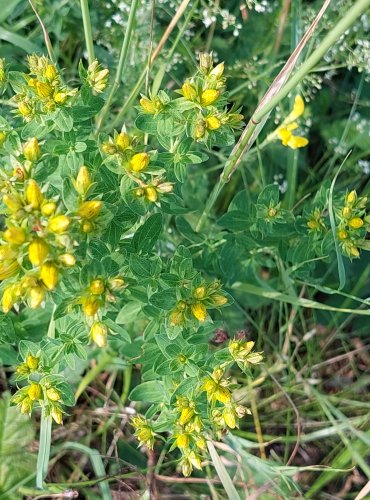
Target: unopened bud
{"points": [[31, 150], [356, 223], [34, 195], [34, 391], [209, 97], [199, 311], [122, 141], [99, 333], [213, 123], [90, 306], [50, 72], [59, 224], [139, 161], [217, 71], [151, 194], [32, 362], [15, 235], [67, 259], [90, 209], [97, 287], [48, 208], [53, 394], [188, 91], [36, 297], [83, 181], [49, 274], [38, 250]]}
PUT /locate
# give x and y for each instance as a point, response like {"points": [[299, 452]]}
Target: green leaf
{"points": [[165, 299], [151, 392], [63, 120], [128, 313], [147, 235], [16, 462]]}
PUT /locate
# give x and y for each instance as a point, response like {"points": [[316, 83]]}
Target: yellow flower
{"points": [[298, 110], [31, 150], [38, 250], [15, 235], [32, 362], [186, 415], [57, 415], [200, 292], [218, 71], [188, 91], [34, 196], [43, 89], [218, 299], [122, 141], [199, 311], [209, 97], [67, 259], [83, 181], [90, 209], [8, 269], [53, 394], [182, 440], [60, 97], [213, 123], [50, 72], [90, 305], [58, 224], [356, 223], [151, 194], [143, 431], [151, 106], [97, 77], [8, 300], [139, 161], [229, 417], [99, 333], [12, 202], [97, 287], [48, 208], [49, 274], [351, 198], [34, 391], [24, 109], [7, 252], [288, 139], [36, 296]]}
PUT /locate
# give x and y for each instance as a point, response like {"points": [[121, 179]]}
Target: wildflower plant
{"points": [[98, 235]]}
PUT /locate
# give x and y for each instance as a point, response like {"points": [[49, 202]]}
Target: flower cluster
{"points": [[43, 90], [136, 164], [194, 305], [42, 389], [351, 229]]}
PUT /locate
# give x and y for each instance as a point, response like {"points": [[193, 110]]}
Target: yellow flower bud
{"points": [[229, 417], [116, 284], [48, 208], [109, 148], [354, 251], [176, 317], [148, 105], [97, 287], [53, 394], [15, 235], [99, 333], [200, 443], [8, 300], [186, 416], [83, 181], [313, 224], [182, 440], [26, 406], [347, 212], [24, 109], [199, 130], [139, 192], [34, 196], [38, 250], [218, 71], [49, 274], [43, 89], [351, 198], [342, 234], [50, 72], [59, 224], [2, 138], [356, 223], [209, 97], [90, 306], [199, 311], [139, 161], [36, 296], [34, 391], [90, 209], [67, 259], [223, 395], [32, 362], [8, 269], [57, 415], [60, 97], [213, 123], [86, 226], [189, 91], [32, 150], [12, 202], [218, 299], [7, 253], [205, 62], [200, 292], [151, 194], [122, 141]]}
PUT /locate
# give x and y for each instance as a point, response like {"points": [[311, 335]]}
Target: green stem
{"points": [[45, 428], [126, 383], [121, 62], [87, 30], [259, 118], [341, 26], [104, 360]]}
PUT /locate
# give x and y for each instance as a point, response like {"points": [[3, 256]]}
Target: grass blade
{"points": [[226, 480]]}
